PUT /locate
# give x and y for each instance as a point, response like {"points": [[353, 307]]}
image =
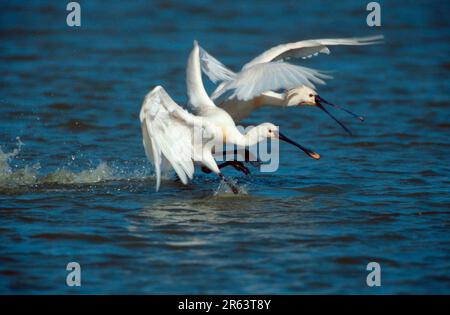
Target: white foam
{"points": [[225, 190], [13, 176], [101, 173]]}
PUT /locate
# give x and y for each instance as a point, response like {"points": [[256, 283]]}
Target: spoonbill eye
{"points": [[311, 95]]}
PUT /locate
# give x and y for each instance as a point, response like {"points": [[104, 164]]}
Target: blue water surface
{"points": [[75, 184]]}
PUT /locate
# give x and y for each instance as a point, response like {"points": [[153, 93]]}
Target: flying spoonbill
{"points": [[169, 131], [254, 85]]}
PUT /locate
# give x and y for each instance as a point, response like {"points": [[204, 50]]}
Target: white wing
{"points": [[309, 48], [214, 69], [265, 77], [198, 99], [167, 131]]}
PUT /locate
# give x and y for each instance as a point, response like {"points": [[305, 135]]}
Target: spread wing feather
{"points": [[214, 69], [269, 76], [308, 48], [167, 131]]}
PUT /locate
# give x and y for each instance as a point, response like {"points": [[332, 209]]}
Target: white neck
{"points": [[252, 137], [196, 91]]}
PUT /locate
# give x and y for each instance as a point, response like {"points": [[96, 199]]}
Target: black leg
{"points": [[234, 189], [256, 163], [236, 164], [206, 170], [240, 167]]}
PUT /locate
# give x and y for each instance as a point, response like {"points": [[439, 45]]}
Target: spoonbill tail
{"points": [[169, 131], [254, 85]]}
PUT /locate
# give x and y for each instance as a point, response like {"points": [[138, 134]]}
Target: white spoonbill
{"points": [[254, 85], [169, 131]]}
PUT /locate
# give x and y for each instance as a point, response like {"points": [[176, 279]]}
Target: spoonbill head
{"points": [[301, 95], [305, 95]]}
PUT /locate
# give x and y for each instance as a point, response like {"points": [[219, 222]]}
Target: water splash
{"points": [[101, 173], [13, 176], [224, 189], [10, 177]]}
